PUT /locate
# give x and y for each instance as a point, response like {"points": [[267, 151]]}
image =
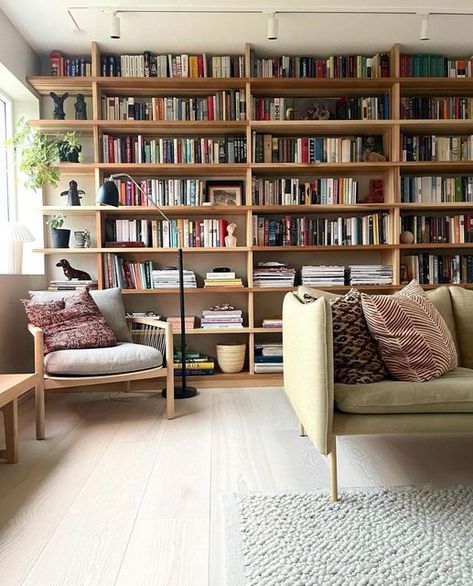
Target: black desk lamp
{"points": [[108, 195]]}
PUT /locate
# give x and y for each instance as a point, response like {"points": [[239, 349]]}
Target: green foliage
{"points": [[56, 221]]}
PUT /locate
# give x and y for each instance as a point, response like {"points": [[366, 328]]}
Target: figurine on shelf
{"points": [[80, 107], [73, 194], [373, 150], [318, 112], [230, 240], [58, 113], [71, 272]]}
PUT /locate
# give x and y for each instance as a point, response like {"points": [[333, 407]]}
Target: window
{"points": [[5, 159]]}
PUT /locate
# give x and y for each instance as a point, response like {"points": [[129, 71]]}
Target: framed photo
{"points": [[224, 193]]}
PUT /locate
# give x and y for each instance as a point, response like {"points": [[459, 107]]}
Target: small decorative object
{"points": [[224, 193], [222, 307], [407, 237], [15, 234], [71, 272], [59, 236], [290, 113], [230, 240], [82, 238], [231, 357], [404, 274], [73, 194], [80, 107], [373, 149], [376, 193], [318, 112], [69, 148], [58, 113]]}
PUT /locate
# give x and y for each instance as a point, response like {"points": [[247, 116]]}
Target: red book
{"points": [[55, 63], [222, 231], [111, 157], [305, 149], [200, 65], [210, 107], [266, 232]]}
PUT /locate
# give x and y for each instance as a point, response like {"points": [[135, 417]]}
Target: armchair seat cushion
{"points": [[451, 393], [122, 358]]}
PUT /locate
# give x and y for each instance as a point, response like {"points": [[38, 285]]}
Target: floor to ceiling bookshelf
{"points": [[256, 302]]}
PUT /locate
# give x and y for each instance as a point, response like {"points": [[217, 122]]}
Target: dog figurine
{"points": [[71, 272]]}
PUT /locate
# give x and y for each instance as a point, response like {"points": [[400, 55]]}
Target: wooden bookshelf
{"points": [[256, 302]]}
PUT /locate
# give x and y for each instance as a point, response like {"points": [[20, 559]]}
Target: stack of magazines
{"points": [[370, 274], [169, 279], [323, 276], [268, 358], [273, 274], [221, 317]]}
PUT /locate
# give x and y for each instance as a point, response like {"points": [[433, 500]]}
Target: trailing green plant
{"points": [[39, 153], [56, 221]]}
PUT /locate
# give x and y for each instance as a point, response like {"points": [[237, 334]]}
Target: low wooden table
{"points": [[11, 387]]}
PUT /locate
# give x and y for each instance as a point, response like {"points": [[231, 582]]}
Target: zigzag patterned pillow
{"points": [[413, 338]]}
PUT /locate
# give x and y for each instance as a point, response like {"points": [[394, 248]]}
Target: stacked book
{"points": [[189, 323], [197, 364], [273, 274], [323, 275], [268, 358], [72, 285], [169, 279], [370, 274], [271, 323], [222, 279], [221, 317]]}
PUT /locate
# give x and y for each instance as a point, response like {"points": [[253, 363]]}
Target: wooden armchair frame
{"points": [[154, 332]]}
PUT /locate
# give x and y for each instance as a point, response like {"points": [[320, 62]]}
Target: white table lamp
{"points": [[15, 234]]}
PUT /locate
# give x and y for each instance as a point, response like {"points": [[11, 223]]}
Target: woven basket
{"points": [[231, 357]]}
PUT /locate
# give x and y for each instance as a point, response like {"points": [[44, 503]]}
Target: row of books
{"points": [[268, 358], [127, 274], [61, 65], [150, 64], [196, 363], [340, 275], [303, 231], [295, 191], [164, 192], [138, 149], [434, 65], [222, 278], [434, 269], [221, 318], [224, 105], [334, 66], [456, 229], [437, 148], [443, 108], [175, 321], [273, 274], [436, 189], [268, 148]]}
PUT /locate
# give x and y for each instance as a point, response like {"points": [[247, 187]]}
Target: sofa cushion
{"points": [[442, 300], [124, 357], [356, 355], [462, 301], [451, 393], [414, 340], [109, 301]]}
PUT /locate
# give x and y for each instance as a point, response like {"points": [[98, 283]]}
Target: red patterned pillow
{"points": [[73, 323], [415, 342]]}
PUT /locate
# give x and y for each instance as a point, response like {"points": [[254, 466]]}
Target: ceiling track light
{"points": [[114, 26], [272, 27], [424, 28]]}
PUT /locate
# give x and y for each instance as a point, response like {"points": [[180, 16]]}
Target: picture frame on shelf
{"points": [[224, 193]]}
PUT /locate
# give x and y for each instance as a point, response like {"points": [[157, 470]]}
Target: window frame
{"points": [[7, 169]]}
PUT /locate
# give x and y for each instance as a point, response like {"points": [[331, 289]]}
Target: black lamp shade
{"points": [[108, 194]]}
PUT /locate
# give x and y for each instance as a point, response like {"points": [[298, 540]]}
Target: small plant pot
{"points": [[79, 237], [60, 237], [68, 154], [231, 357]]}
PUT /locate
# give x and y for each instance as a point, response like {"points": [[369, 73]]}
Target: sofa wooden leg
{"points": [[301, 430], [333, 472], [40, 411]]}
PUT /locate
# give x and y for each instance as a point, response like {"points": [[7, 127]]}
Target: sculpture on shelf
{"points": [[73, 194], [318, 112], [230, 240], [373, 149], [83, 239], [80, 107], [71, 272], [58, 113]]}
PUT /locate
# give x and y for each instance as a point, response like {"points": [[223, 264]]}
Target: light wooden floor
{"points": [[119, 495]]}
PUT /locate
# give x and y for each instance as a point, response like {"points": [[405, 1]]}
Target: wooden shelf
{"points": [[291, 169], [345, 248], [204, 331], [320, 209], [43, 84], [436, 246], [180, 128], [80, 126], [436, 126], [331, 127], [450, 205], [177, 169], [436, 166], [188, 290]]}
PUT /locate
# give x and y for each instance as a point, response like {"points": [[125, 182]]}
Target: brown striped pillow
{"points": [[413, 338]]}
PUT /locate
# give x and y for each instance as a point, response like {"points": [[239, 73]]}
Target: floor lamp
{"points": [[108, 195]]}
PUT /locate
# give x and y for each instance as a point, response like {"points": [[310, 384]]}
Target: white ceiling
{"points": [[46, 25]]}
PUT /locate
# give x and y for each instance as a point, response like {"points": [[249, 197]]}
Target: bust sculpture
{"points": [[230, 240]]}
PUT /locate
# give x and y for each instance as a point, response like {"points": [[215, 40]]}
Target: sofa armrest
{"points": [[38, 336], [308, 366], [150, 335]]}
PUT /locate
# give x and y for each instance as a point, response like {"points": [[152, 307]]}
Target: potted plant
{"points": [[59, 236], [39, 153]]}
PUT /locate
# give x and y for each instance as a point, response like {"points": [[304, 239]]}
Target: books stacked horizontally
{"points": [[169, 279], [197, 364], [189, 323], [274, 322], [222, 278], [370, 274], [273, 274], [72, 285], [323, 275], [268, 358], [221, 317]]}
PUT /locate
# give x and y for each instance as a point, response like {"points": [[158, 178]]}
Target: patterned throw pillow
{"points": [[75, 322], [355, 353], [415, 342]]}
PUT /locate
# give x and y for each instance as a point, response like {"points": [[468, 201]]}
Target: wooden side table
{"points": [[11, 387]]}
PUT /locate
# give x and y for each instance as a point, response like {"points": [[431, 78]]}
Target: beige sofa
{"points": [[326, 409]]}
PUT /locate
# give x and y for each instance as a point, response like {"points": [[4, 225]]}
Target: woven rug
{"points": [[409, 537]]}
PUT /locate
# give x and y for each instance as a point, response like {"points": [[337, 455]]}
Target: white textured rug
{"points": [[409, 537]]}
